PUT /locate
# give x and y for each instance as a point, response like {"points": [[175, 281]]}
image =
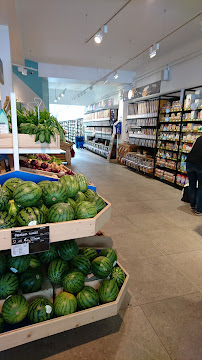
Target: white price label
{"points": [[20, 249]]}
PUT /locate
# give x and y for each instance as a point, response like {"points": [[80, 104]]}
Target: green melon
{"points": [[34, 262], [11, 184], [6, 221], [85, 210], [56, 269], [101, 267], [43, 184], [98, 203], [71, 185], [81, 263], [2, 263], [90, 253], [65, 304], [48, 256], [110, 254], [40, 309], [83, 182], [108, 291], [90, 194], [73, 281], [87, 298], [53, 193], [71, 202], [31, 280], [60, 212], [68, 249], [12, 208], [27, 194], [14, 309], [118, 274], [8, 285], [30, 214], [18, 264], [79, 197], [1, 323], [4, 198]]}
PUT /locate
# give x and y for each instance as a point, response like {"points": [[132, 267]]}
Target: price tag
{"points": [[167, 111], [29, 241]]}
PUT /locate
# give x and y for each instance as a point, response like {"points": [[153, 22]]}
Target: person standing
{"points": [[194, 173]]}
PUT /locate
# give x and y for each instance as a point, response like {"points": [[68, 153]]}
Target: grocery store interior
{"points": [[100, 226]]}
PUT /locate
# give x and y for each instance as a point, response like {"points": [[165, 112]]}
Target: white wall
{"points": [[5, 55]]}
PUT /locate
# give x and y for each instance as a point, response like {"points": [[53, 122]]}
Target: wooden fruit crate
{"points": [[26, 141]]}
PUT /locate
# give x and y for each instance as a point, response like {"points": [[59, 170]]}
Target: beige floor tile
{"points": [[177, 322], [196, 233], [165, 205], [182, 218], [190, 264], [153, 221], [118, 224], [133, 208], [171, 241]]}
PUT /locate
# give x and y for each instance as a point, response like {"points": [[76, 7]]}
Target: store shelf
{"points": [[97, 120], [163, 167], [142, 116], [142, 137]]}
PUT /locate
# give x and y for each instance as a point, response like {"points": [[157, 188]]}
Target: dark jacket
{"points": [[195, 155]]}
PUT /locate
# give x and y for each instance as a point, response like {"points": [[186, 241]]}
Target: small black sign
{"points": [[37, 238]]}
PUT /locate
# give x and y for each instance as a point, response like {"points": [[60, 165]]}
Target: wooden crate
{"points": [[26, 141]]}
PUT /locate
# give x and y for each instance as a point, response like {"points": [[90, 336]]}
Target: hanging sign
{"points": [[147, 90], [1, 73]]}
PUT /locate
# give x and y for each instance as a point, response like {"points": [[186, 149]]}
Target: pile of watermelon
{"points": [[68, 269], [24, 203]]}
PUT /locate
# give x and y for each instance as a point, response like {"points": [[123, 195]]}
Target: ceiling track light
{"points": [[62, 95], [105, 80], [59, 97], [55, 100], [116, 75], [98, 38], [91, 88], [153, 50]]}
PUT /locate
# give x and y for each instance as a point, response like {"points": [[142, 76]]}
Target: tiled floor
{"points": [[159, 242]]}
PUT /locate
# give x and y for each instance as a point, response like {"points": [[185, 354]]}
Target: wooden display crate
{"points": [[26, 141]]}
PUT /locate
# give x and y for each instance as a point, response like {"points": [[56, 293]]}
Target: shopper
{"points": [[194, 172]]}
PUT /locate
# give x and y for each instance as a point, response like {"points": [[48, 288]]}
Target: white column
{"points": [[5, 56], [14, 131], [122, 115]]}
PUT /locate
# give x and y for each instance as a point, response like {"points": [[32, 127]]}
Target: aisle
{"points": [[154, 233]]}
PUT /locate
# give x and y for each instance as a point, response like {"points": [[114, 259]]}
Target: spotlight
{"points": [[116, 75], [91, 88], [62, 94], [98, 38], [59, 97], [153, 50], [55, 100], [105, 80]]}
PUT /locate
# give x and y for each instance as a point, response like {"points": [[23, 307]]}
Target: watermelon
{"points": [[18, 264], [118, 274], [1, 323], [87, 298], [29, 214], [40, 309], [85, 210], [8, 285], [60, 212], [48, 256], [83, 182], [71, 185], [4, 198], [110, 254], [81, 263], [31, 280], [34, 262], [43, 184], [27, 194], [2, 263], [98, 203], [11, 184], [90, 194], [53, 193], [68, 249], [79, 197], [6, 220], [73, 281], [15, 309], [101, 267], [90, 253], [65, 304], [56, 269], [71, 202], [108, 291], [12, 208]]}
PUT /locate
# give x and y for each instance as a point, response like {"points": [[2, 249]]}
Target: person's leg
{"points": [[192, 176], [199, 192]]}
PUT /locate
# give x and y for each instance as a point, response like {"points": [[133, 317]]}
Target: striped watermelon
{"points": [[2, 263], [18, 264], [40, 309], [71, 202], [73, 281], [87, 298], [60, 212], [98, 203], [110, 254], [1, 323], [79, 197], [34, 262], [108, 291], [8, 285], [90, 194], [118, 274], [65, 304], [56, 269], [29, 214], [27, 194], [53, 193], [31, 280], [101, 267], [81, 263], [71, 185], [83, 182], [48, 256], [15, 309], [4, 198], [85, 210], [68, 249], [12, 208], [11, 184], [43, 184], [90, 253], [6, 220]]}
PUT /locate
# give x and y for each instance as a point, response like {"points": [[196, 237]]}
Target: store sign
{"points": [[143, 91], [1, 73], [104, 104]]}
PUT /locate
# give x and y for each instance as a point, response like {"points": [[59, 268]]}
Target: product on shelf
{"points": [[143, 107], [139, 162], [122, 150]]}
